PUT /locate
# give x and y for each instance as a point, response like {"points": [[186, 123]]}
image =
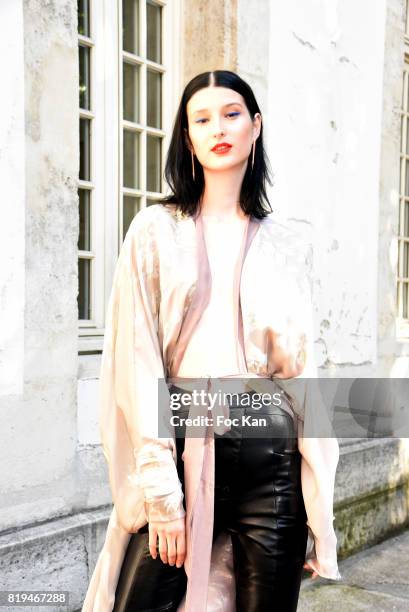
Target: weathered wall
{"points": [[38, 434], [326, 80], [253, 53], [12, 163], [209, 36]]}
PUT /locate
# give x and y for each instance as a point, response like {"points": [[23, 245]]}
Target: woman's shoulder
{"points": [[151, 218], [154, 212]]}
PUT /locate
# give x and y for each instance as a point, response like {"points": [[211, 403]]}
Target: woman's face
{"points": [[220, 115]]}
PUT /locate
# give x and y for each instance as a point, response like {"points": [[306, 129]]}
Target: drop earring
{"points": [[193, 166], [252, 160]]}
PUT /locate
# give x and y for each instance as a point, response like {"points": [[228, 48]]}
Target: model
{"points": [[212, 293]]}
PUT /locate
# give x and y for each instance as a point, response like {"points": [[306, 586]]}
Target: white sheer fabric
{"points": [[159, 480]]}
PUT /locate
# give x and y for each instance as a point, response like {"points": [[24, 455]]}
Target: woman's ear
{"points": [[257, 125], [187, 140]]}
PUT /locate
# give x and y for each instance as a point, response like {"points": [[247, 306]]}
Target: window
{"points": [[403, 238], [141, 118], [128, 91], [86, 186]]}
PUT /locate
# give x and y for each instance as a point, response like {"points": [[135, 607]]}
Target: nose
{"points": [[218, 128]]}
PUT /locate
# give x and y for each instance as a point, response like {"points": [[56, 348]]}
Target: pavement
{"points": [[375, 579]]}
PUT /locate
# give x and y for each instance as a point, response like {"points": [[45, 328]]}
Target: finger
{"points": [[163, 547], [153, 536], [171, 549], [180, 549]]}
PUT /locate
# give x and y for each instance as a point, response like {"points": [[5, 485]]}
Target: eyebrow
{"points": [[202, 110]]}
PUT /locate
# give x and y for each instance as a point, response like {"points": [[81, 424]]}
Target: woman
{"points": [[215, 518]]}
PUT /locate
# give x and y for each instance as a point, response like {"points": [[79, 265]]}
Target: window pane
{"points": [[402, 120], [153, 34], [404, 89], [85, 83], [405, 290], [407, 89], [130, 26], [84, 238], [405, 259], [131, 92], [85, 153], [84, 289], [154, 105], [407, 138], [131, 207], [153, 158], [405, 230], [131, 159], [406, 178], [83, 17], [406, 17]]}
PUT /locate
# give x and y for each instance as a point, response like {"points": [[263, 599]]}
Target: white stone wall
{"points": [[12, 180], [39, 472], [325, 142], [319, 75]]}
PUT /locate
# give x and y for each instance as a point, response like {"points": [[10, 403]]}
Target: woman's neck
{"points": [[225, 212]]}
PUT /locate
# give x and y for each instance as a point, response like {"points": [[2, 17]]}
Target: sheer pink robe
{"points": [[161, 290]]}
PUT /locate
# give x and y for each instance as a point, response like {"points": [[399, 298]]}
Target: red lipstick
{"points": [[222, 147]]}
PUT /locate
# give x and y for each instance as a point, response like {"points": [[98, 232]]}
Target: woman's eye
{"points": [[228, 115]]}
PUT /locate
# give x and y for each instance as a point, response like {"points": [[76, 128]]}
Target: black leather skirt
{"points": [[258, 500]]}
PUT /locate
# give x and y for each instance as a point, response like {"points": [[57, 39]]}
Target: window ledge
{"points": [[92, 343]]}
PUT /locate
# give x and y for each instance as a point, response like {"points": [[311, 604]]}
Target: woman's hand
{"points": [[172, 544], [310, 569]]}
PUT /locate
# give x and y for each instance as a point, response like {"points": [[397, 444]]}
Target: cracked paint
{"points": [[305, 43]]}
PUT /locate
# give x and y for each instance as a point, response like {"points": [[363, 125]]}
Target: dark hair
{"points": [[187, 193]]}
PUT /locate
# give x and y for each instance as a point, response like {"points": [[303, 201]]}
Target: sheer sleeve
{"points": [[142, 465], [160, 483]]}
